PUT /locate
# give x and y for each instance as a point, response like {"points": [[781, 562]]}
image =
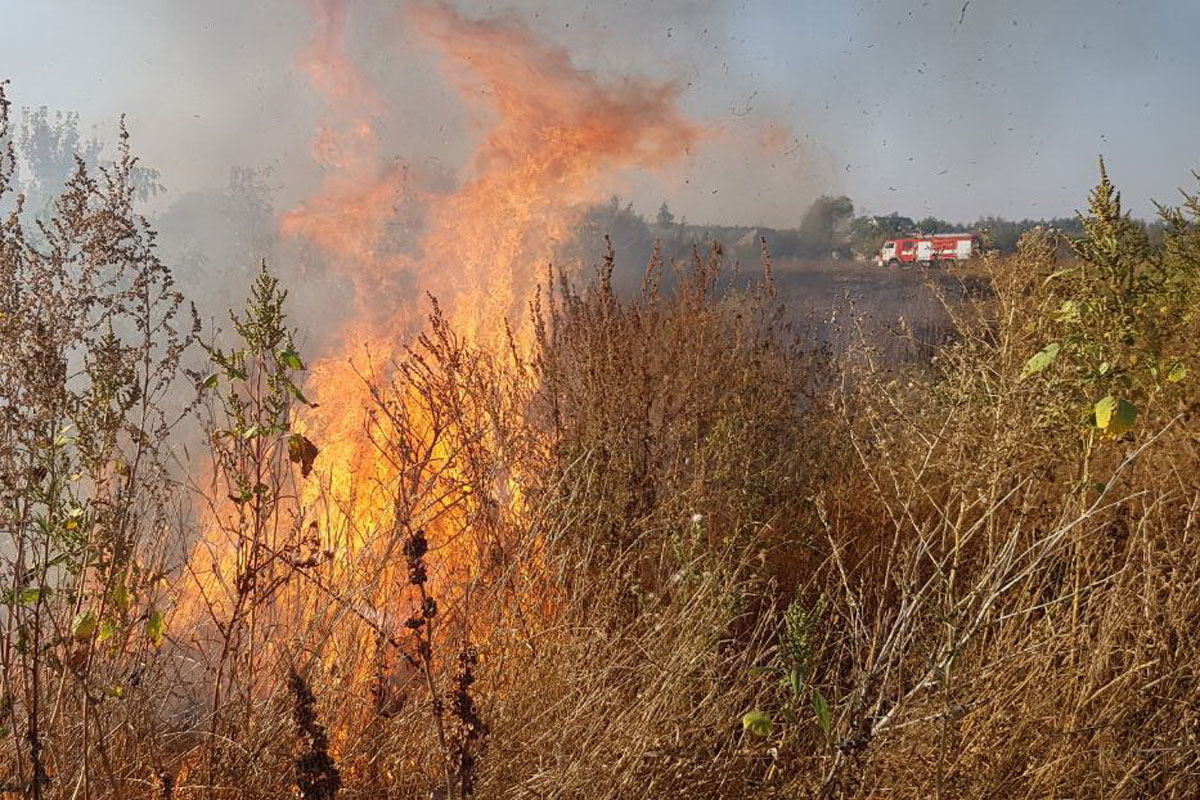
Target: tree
{"points": [[52, 149], [934, 225], [50, 146], [867, 234], [665, 218], [826, 225]]}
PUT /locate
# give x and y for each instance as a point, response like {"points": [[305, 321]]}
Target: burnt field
{"points": [[907, 314]]}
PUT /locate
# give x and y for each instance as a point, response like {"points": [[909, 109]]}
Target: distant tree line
{"points": [[238, 219], [829, 228]]}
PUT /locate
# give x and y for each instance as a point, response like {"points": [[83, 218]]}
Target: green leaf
{"points": [[155, 627], [290, 359], [29, 597], [1103, 411], [296, 394], [83, 626], [1040, 360], [63, 437], [1067, 312], [758, 723], [107, 629], [821, 709], [796, 682], [1177, 373], [120, 596], [1115, 415], [211, 381]]}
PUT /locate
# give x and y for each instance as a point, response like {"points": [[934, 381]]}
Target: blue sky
{"points": [[920, 107]]}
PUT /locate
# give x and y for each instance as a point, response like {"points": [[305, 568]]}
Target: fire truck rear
{"points": [[937, 250]]}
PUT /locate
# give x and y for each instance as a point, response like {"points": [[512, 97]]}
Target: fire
{"points": [[558, 136], [554, 139]]}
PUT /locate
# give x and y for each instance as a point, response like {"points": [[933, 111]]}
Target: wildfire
{"points": [[554, 138]]}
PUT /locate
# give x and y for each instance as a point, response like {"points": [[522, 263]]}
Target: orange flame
{"points": [[557, 135], [555, 139]]}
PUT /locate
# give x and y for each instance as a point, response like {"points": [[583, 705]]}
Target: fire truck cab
{"points": [[940, 249]]}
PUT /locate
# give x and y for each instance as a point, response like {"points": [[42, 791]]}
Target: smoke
{"points": [[209, 86], [549, 140], [223, 99], [940, 107]]}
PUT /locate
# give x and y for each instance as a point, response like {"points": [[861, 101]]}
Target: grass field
{"points": [[814, 530]]}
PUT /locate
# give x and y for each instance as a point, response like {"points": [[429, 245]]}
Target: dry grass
{"points": [[933, 573]]}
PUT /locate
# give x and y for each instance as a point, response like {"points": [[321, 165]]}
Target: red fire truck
{"points": [[938, 249]]}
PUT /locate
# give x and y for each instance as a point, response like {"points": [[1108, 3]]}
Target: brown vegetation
{"points": [[670, 548]]}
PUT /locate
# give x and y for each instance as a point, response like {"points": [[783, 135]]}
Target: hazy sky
{"points": [[923, 106]]}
